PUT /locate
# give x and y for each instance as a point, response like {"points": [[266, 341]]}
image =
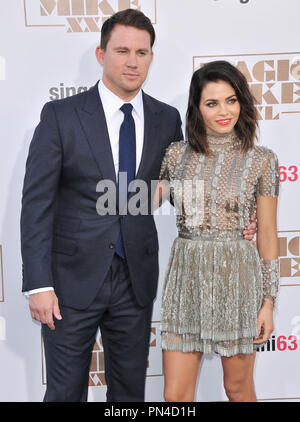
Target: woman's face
{"points": [[219, 107]]}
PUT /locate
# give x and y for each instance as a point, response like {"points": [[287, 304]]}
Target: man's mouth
{"points": [[131, 75]]}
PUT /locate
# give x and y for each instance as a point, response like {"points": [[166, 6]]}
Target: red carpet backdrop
{"points": [[46, 53]]}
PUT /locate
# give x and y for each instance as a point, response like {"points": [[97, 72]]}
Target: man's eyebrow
{"points": [[126, 48]]}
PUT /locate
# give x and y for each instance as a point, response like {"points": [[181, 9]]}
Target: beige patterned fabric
{"points": [[216, 281]]}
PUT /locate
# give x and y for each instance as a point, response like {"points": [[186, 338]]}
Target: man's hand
{"points": [[250, 231], [43, 306]]}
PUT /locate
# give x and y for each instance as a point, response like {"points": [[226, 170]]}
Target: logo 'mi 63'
{"points": [[288, 173]]}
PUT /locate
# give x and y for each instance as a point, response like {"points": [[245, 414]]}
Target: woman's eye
{"points": [[232, 101], [211, 104]]}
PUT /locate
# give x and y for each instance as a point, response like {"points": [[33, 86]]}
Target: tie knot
{"points": [[126, 108]]}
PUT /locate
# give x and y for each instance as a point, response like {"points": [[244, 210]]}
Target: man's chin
{"points": [[130, 88], [131, 91]]}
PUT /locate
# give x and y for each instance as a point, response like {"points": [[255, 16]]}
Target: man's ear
{"points": [[100, 54]]}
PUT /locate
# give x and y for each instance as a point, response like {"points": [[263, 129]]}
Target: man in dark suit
{"points": [[83, 270]]}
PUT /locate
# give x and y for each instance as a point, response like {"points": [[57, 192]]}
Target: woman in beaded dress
{"points": [[219, 289]]}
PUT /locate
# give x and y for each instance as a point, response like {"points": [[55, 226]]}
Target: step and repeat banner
{"points": [[47, 53]]}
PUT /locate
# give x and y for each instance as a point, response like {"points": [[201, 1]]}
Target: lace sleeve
{"points": [[164, 169], [270, 273], [268, 185], [268, 182]]}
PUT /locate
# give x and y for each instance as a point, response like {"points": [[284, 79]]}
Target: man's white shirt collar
{"points": [[112, 103]]}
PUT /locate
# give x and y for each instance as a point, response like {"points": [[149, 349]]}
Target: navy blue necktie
{"points": [[127, 163]]}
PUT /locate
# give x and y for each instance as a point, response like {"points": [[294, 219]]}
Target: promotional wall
{"points": [[47, 52]]}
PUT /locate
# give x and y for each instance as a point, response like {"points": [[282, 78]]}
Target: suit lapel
{"points": [[150, 146], [93, 121], [94, 125]]}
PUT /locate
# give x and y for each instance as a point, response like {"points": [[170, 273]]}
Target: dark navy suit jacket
{"points": [[66, 244]]}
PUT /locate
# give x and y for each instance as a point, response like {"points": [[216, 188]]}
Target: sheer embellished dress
{"points": [[216, 281]]}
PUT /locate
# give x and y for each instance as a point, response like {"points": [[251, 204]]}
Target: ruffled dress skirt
{"points": [[211, 295]]}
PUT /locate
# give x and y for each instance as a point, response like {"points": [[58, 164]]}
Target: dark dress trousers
{"points": [[66, 244]]}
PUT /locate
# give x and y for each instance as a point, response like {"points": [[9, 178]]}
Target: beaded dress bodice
{"points": [[217, 192], [216, 281]]}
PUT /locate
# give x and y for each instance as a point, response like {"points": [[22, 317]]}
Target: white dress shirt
{"points": [[114, 118]]}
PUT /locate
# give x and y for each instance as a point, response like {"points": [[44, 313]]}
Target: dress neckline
{"points": [[223, 142]]}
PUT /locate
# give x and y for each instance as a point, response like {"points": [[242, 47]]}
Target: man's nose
{"points": [[132, 60]]}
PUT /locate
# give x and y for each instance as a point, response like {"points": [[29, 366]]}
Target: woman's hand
{"points": [[265, 325]]}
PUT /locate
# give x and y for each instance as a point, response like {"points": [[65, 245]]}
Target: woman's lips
{"points": [[224, 122]]}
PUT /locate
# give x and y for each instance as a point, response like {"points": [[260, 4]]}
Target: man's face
{"points": [[125, 60]]}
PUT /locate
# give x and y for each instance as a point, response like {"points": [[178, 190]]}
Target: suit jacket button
{"points": [[111, 245]]}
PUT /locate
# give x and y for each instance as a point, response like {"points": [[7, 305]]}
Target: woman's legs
{"points": [[238, 377], [180, 372]]}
